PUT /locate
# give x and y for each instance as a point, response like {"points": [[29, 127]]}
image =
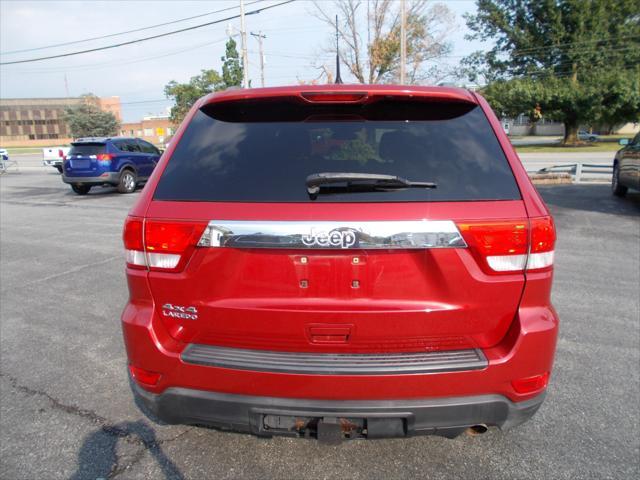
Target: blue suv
{"points": [[121, 162]]}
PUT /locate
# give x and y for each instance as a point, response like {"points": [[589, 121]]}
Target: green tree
{"points": [[579, 60], [186, 94], [88, 120], [232, 70]]}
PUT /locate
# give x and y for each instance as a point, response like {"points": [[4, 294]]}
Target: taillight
{"points": [[160, 245], [543, 240], [511, 246], [133, 243], [500, 246], [105, 158], [170, 244], [60, 153]]}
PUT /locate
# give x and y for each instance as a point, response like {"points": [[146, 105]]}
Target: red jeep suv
{"points": [[340, 262]]}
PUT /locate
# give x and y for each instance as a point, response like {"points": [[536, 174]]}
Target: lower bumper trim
{"points": [[267, 416], [112, 178]]}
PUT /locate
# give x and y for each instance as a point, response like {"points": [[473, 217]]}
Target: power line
{"points": [[147, 101], [130, 42], [101, 65], [582, 50], [564, 73], [533, 50], [626, 41], [591, 51], [97, 66], [585, 49], [325, 56], [125, 32]]}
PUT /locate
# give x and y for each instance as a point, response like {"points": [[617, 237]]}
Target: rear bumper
{"points": [[211, 389], [108, 177], [266, 416], [52, 163]]}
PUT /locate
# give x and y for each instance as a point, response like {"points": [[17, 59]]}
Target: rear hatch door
{"points": [[352, 268], [82, 159]]}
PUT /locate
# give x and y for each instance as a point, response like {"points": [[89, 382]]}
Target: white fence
{"points": [[581, 171]]}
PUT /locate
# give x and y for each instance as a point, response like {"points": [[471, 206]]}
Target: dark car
{"points": [[120, 162], [626, 167], [329, 263]]}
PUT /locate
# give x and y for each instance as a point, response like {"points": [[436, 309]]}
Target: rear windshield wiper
{"points": [[359, 182]]}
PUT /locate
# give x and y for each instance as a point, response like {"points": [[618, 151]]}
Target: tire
{"points": [[80, 189], [128, 182], [617, 189], [59, 168]]}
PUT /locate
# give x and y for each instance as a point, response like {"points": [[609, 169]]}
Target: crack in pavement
{"points": [[59, 204], [109, 428], [139, 455], [66, 272], [71, 409]]}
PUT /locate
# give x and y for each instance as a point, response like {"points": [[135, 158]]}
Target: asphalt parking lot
{"points": [[66, 410]]}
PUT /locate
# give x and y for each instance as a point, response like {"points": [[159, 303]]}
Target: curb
{"points": [[550, 178]]}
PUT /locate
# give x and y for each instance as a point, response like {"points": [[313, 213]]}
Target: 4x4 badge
{"points": [[180, 311]]}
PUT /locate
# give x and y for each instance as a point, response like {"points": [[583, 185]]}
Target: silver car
{"points": [[587, 137]]}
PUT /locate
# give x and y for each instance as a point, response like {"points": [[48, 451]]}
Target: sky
{"points": [[137, 73]]}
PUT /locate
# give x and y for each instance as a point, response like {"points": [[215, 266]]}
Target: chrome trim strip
{"points": [[417, 234], [334, 363]]}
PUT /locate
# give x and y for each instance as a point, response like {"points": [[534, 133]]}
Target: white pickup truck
{"points": [[53, 156]]}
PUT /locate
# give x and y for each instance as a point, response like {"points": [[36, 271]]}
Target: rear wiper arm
{"points": [[372, 181]]}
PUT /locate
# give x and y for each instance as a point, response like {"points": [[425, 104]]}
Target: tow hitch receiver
{"points": [[329, 431], [332, 430]]}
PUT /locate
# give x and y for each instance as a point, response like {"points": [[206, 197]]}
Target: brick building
{"points": [[40, 121], [156, 129]]}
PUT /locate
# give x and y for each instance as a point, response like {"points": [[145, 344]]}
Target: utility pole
{"points": [[245, 58], [66, 85], [338, 79], [260, 37], [403, 41]]}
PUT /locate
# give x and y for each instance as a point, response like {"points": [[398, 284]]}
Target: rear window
{"points": [[146, 147], [87, 149], [127, 145], [264, 151]]}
